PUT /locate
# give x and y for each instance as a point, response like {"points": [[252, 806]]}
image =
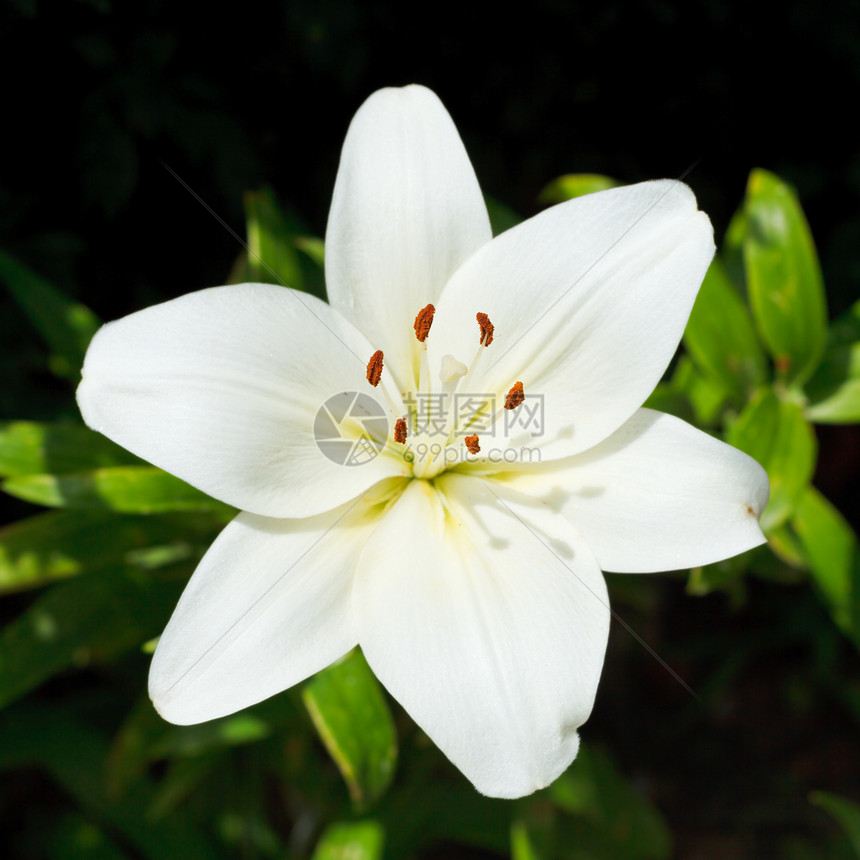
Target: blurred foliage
{"points": [[333, 770], [845, 812]]}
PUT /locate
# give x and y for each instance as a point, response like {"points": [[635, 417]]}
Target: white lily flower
{"points": [[461, 548]]}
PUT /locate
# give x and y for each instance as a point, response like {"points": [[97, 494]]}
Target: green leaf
{"points": [[125, 489], [352, 718], [523, 844], [575, 185], [60, 544], [66, 326], [427, 809], [845, 329], [666, 398], [608, 811], [720, 336], [272, 256], [145, 737], [78, 839], [839, 403], [28, 448], [87, 620], [833, 555], [726, 576], [785, 545], [313, 248], [733, 251], [834, 390], [705, 394], [776, 434], [784, 277], [501, 217], [351, 840], [275, 240], [73, 754], [186, 778], [846, 812]]}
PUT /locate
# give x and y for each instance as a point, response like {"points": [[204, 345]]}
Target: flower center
{"points": [[443, 421]]}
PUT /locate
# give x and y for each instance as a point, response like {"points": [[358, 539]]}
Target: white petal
{"points": [[490, 632], [656, 495], [589, 300], [268, 606], [221, 387], [406, 212]]}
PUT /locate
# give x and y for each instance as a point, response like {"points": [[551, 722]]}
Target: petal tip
{"points": [[514, 785]]}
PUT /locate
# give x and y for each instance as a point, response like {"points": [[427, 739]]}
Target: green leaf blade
{"points": [[502, 217], [721, 338], [90, 619], [272, 255], [833, 555], [776, 433], [124, 489], [575, 185], [606, 813], [31, 448], [846, 812], [784, 279], [65, 325], [356, 840], [352, 718], [834, 390], [73, 754], [60, 544]]}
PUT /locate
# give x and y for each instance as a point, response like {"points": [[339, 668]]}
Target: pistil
{"points": [[430, 450]]}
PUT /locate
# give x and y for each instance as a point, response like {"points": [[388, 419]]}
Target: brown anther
{"points": [[423, 322], [487, 329], [515, 396], [400, 431], [472, 444], [374, 368]]}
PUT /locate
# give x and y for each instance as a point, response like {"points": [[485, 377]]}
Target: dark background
{"points": [[96, 95]]}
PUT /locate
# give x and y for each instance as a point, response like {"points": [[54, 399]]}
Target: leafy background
{"points": [[106, 104]]}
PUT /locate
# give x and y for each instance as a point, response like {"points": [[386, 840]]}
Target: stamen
{"points": [[374, 376], [472, 444], [487, 329], [400, 431], [374, 368], [423, 322], [515, 396]]}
